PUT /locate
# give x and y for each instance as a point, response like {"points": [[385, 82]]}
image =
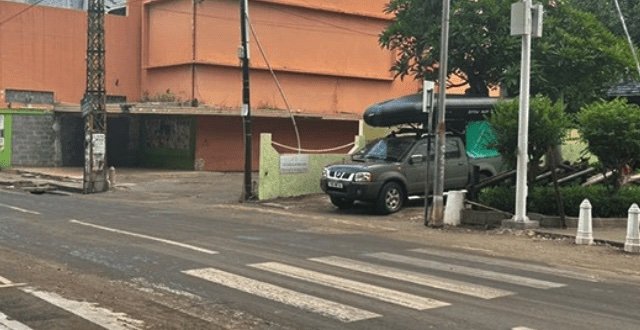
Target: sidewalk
{"points": [[202, 188], [138, 183]]}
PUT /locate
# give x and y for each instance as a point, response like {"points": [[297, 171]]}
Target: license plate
{"points": [[335, 184]]}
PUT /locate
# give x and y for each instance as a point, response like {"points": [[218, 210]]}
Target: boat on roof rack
{"points": [[408, 110]]}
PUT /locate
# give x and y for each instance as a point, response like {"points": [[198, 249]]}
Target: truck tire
{"points": [[390, 199], [341, 203]]}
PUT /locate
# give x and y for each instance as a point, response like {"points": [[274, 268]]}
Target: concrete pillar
{"points": [[453, 209], [632, 243], [585, 234]]}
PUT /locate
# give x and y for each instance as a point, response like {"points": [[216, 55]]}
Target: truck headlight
{"points": [[362, 177], [325, 173]]}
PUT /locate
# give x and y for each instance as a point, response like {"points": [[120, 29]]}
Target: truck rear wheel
{"points": [[341, 203], [391, 198]]}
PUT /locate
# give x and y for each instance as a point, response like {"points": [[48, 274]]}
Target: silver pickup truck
{"points": [[388, 170]]}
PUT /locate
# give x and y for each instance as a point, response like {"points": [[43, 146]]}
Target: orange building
{"points": [[175, 62]]}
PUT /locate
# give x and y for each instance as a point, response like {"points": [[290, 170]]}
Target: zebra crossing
{"points": [[417, 280], [377, 264]]}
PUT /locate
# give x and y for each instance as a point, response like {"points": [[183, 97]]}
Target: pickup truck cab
{"points": [[388, 170]]}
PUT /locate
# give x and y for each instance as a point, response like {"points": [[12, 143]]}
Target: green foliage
{"points": [[612, 132], [568, 62], [606, 12], [577, 60], [542, 199], [548, 126]]}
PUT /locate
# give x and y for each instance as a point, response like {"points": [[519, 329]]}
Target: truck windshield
{"points": [[389, 148]]}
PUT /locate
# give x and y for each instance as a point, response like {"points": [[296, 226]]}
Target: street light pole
{"points": [[247, 190], [437, 207], [427, 109], [526, 21]]}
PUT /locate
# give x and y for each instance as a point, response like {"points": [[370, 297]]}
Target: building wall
{"points": [[167, 141], [220, 139], [44, 49], [325, 53]]}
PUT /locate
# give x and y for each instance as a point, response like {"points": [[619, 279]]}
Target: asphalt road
{"points": [[82, 262]]}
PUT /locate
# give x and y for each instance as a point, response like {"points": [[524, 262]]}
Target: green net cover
{"points": [[479, 136]]}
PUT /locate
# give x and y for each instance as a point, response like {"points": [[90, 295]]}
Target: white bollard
{"points": [[585, 234], [111, 177], [632, 243], [453, 209]]}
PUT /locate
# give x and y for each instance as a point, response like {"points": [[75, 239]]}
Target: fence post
{"points": [[585, 233], [632, 243]]}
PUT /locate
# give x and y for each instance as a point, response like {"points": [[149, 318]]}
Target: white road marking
{"points": [[161, 240], [89, 311], [469, 271], [303, 301], [6, 324], [469, 289], [367, 290], [508, 263], [15, 208], [522, 328], [4, 280]]}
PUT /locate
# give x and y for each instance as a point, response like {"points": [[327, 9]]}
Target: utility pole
{"points": [[526, 21], [437, 207], [247, 190], [93, 104]]}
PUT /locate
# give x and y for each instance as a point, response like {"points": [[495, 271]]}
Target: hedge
{"points": [[542, 200]]}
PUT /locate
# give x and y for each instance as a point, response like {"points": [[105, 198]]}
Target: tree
{"points": [[612, 132], [575, 60], [606, 12], [548, 126]]}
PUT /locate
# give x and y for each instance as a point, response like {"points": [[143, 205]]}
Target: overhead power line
{"points": [[19, 13]]}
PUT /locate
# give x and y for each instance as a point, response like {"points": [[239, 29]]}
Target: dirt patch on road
{"points": [[159, 307]]}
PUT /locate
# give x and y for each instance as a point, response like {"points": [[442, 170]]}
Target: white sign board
{"points": [[294, 163], [99, 145]]}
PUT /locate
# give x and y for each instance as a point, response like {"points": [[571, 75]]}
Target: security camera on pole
{"points": [[526, 21]]}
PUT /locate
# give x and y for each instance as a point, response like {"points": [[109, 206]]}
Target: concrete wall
{"points": [[220, 139], [274, 184], [34, 140]]}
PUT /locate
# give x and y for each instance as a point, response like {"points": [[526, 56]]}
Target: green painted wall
{"points": [[274, 184], [5, 153]]}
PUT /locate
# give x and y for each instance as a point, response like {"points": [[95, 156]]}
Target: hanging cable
{"points": [[626, 31], [275, 78], [20, 12]]}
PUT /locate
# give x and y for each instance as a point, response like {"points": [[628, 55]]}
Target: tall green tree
{"points": [[606, 12], [576, 59]]}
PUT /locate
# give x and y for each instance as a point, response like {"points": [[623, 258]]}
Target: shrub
{"points": [[612, 131], [548, 126], [542, 200]]}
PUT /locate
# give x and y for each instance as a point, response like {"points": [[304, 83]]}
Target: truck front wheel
{"points": [[391, 198]]}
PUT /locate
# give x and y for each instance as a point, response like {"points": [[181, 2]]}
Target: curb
{"points": [[573, 237]]}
